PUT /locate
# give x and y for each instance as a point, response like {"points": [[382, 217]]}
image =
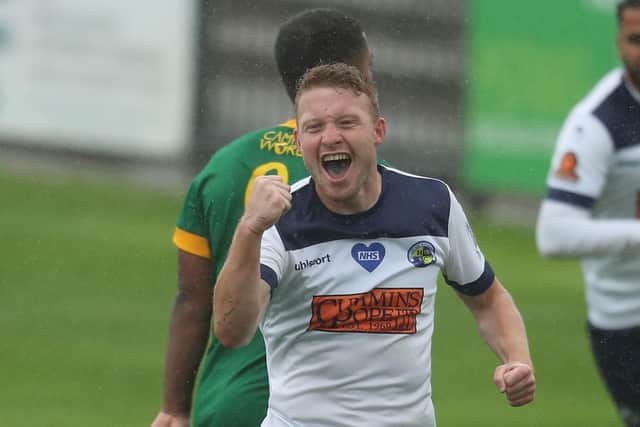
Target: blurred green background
{"points": [[87, 280], [527, 65]]}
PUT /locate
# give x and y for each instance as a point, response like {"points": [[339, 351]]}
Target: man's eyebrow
{"points": [[347, 116], [310, 121]]}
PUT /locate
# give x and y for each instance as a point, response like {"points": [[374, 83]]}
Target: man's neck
{"points": [[631, 87], [364, 200]]}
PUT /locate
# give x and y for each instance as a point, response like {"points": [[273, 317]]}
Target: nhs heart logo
{"points": [[369, 257]]}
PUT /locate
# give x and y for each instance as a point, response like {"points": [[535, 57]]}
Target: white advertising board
{"points": [[114, 76]]}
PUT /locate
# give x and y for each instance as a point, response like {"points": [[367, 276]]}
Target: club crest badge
{"points": [[568, 166], [421, 254], [369, 257]]}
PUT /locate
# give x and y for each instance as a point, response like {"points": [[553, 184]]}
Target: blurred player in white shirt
{"points": [[592, 211]]}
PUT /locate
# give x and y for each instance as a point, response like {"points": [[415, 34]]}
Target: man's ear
{"points": [[380, 130], [296, 137]]}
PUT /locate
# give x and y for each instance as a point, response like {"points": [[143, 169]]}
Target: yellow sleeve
{"points": [[191, 243]]}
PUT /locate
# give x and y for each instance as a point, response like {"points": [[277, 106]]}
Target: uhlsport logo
{"points": [[369, 257], [301, 265], [421, 254]]}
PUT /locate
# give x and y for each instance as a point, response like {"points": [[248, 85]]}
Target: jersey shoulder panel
{"points": [[409, 205], [584, 113], [611, 104], [600, 91], [584, 147], [619, 112]]}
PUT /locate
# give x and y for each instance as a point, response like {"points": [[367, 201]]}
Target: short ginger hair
{"points": [[339, 76]]}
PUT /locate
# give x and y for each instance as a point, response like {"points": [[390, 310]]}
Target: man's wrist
{"points": [[176, 410], [248, 228]]}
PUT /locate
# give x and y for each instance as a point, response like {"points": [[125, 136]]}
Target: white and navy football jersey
{"points": [[349, 325], [596, 167]]}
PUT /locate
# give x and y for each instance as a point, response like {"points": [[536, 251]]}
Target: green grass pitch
{"points": [[87, 278]]}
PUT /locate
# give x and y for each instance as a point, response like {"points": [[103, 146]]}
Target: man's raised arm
{"points": [[240, 295]]}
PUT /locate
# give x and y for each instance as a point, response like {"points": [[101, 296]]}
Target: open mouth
{"points": [[336, 164]]}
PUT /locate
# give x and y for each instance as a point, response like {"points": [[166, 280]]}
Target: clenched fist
{"points": [[516, 381], [269, 199]]}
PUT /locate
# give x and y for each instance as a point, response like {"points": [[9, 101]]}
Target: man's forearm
{"points": [[503, 329], [501, 324], [238, 298], [566, 231], [188, 337]]}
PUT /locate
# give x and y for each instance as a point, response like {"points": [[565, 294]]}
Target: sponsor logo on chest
{"points": [[381, 310]]}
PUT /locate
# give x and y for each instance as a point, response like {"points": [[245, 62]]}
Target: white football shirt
{"points": [[349, 325], [592, 207]]}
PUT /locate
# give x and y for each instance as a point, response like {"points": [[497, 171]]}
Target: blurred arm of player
{"points": [[165, 419], [188, 337], [241, 296], [564, 230], [503, 329]]}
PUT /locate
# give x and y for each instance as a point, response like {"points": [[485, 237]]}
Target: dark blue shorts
{"points": [[617, 354]]}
